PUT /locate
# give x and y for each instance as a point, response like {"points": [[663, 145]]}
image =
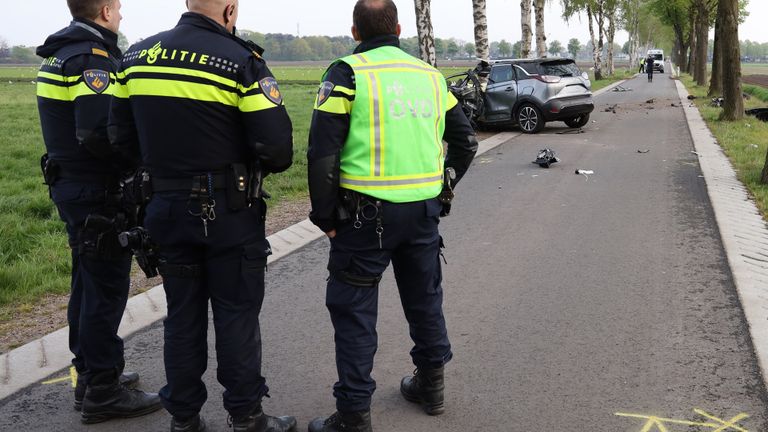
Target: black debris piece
{"points": [[760, 113], [692, 97], [650, 101], [644, 151], [611, 109], [717, 102], [546, 157]]}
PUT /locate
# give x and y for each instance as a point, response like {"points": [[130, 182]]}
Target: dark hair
{"points": [[88, 9], [375, 18]]}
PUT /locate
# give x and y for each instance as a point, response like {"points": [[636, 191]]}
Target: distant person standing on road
{"points": [[376, 169], [649, 68], [74, 86], [642, 66], [205, 115]]}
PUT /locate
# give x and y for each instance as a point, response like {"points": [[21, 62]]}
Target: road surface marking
{"points": [[72, 377], [659, 424]]}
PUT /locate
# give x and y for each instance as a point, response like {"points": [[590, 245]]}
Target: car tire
{"points": [[578, 122], [530, 119]]}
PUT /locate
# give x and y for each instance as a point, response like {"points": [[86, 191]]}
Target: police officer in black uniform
{"points": [[382, 114], [207, 117], [73, 87]]}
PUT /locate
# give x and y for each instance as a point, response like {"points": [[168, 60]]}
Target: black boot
{"points": [[127, 379], [343, 422], [426, 388], [194, 424], [257, 421], [106, 399]]}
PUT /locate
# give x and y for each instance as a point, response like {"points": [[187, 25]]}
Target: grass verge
{"points": [[745, 142]]}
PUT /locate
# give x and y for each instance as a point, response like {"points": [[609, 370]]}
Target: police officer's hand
{"points": [[331, 234]]}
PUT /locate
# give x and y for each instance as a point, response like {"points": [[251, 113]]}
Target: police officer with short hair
{"points": [[379, 180], [73, 92], [207, 117]]}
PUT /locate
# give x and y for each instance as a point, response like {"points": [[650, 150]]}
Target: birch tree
{"points": [[541, 37], [481, 29], [525, 25], [425, 31]]}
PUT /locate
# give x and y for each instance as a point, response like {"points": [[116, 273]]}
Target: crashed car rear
{"points": [[528, 93]]}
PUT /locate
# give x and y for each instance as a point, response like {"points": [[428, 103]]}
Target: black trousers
{"points": [[411, 241], [227, 269], [99, 286]]}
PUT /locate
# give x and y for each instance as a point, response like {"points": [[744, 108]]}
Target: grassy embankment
{"points": [[745, 142]]}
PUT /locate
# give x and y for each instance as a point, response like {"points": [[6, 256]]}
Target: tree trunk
{"points": [[634, 31], [692, 41], [525, 24], [600, 18], [733, 107], [595, 50], [611, 70], [425, 31], [481, 29], [541, 37], [716, 83], [702, 43]]}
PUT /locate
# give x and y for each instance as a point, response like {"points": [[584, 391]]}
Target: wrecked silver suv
{"points": [[527, 93]]}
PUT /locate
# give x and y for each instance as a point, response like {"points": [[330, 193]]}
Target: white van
{"points": [[658, 59]]}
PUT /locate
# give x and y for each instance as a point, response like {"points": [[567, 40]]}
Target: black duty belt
{"points": [[65, 173], [160, 184]]}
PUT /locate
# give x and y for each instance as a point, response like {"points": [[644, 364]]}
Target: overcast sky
{"points": [[29, 22]]}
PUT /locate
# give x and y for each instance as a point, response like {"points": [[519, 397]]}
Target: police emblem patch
{"points": [[96, 80], [271, 90], [325, 91]]}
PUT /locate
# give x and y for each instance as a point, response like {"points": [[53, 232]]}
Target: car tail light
{"points": [[551, 79]]}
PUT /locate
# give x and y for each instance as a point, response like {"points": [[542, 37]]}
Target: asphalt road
{"points": [[599, 303]]}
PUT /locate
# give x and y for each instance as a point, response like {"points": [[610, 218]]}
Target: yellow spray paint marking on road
{"points": [[714, 424], [72, 377]]}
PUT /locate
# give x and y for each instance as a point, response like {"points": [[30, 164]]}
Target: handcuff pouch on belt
{"points": [[50, 169], [245, 185], [447, 195]]}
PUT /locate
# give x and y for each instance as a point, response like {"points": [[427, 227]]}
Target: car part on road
{"points": [[580, 121], [620, 88], [546, 157]]}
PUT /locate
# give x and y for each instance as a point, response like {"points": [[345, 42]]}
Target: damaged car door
{"points": [[501, 94]]}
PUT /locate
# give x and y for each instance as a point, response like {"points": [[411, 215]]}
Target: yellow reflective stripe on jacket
{"points": [[178, 89], [65, 91], [386, 183], [337, 104], [178, 71]]}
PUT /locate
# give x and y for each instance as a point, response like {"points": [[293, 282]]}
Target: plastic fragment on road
{"points": [[546, 157], [644, 151], [620, 88], [584, 172]]}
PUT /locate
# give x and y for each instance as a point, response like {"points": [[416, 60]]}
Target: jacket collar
{"points": [[202, 21], [378, 42]]}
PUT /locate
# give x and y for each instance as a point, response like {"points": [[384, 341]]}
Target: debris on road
{"points": [[612, 108], [696, 153], [584, 172], [546, 157], [620, 88], [572, 131], [650, 101], [674, 105], [644, 151]]}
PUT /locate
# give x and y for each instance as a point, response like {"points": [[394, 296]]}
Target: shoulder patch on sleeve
{"points": [[96, 80], [271, 90], [99, 52], [325, 91]]}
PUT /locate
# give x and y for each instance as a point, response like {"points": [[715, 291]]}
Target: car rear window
{"points": [[561, 69]]}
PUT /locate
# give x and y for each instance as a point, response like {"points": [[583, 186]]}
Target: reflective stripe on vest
{"points": [[394, 149]]}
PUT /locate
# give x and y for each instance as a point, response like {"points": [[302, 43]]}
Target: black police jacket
{"points": [[195, 99], [329, 131], [73, 96]]}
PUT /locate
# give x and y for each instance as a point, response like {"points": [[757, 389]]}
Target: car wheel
{"points": [[529, 119], [578, 122]]}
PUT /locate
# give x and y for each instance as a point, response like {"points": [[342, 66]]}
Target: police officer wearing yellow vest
{"points": [[207, 117], [74, 86], [376, 170]]}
